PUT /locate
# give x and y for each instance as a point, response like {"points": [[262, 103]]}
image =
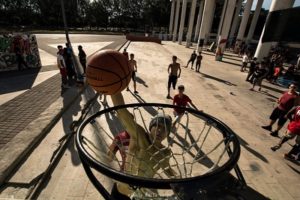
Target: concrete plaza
{"points": [[219, 90]]}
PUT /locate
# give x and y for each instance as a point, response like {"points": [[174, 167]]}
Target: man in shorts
{"points": [[132, 64], [62, 67], [198, 62], [259, 75], [145, 148], [244, 62], [285, 103], [181, 100], [293, 128], [174, 72], [192, 59]]}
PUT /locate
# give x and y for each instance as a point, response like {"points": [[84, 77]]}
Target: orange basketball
{"points": [[108, 72]]}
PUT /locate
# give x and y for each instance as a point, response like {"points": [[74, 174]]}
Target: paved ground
{"points": [[220, 90], [25, 95]]}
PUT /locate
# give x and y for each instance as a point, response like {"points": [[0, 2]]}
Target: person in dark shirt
{"points": [[82, 57], [20, 59], [192, 60], [285, 103], [259, 74], [253, 65], [198, 62], [69, 62]]}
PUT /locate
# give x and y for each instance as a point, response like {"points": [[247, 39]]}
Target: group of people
{"points": [[192, 59], [66, 65], [288, 108]]}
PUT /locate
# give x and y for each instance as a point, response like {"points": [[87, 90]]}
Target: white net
{"points": [[192, 148]]}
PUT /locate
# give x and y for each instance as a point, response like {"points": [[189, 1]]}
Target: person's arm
{"points": [[289, 114], [179, 70], [169, 69], [135, 66], [136, 132]]}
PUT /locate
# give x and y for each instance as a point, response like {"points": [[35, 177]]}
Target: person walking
{"points": [[82, 57], [253, 65], [285, 103], [20, 60], [174, 72], [244, 62], [198, 62], [62, 67], [192, 59], [259, 75], [133, 65]]}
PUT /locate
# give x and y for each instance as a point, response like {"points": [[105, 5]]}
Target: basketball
{"points": [[108, 72]]}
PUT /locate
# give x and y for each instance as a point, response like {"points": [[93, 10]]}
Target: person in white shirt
{"points": [[62, 67], [245, 62]]}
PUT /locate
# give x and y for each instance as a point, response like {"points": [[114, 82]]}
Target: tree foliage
{"points": [[86, 13]]}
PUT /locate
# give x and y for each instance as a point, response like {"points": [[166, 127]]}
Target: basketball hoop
{"points": [[203, 152]]}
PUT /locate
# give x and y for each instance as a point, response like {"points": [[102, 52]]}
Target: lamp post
{"points": [[78, 67]]}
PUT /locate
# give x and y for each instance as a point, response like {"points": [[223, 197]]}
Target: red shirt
{"points": [[297, 115], [287, 101], [181, 101]]}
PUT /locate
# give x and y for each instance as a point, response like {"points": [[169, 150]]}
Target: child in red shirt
{"points": [[181, 100]]}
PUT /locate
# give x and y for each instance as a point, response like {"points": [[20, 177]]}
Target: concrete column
{"points": [[197, 29], [182, 20], [172, 17], [176, 21], [225, 27], [235, 19], [254, 21], [222, 18], [207, 17], [263, 49], [191, 23], [244, 22]]}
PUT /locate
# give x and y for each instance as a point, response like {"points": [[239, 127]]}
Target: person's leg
{"points": [[134, 82], [273, 117], [283, 140], [281, 121], [242, 67], [174, 82], [188, 63], [169, 87], [192, 64], [197, 67], [249, 75]]}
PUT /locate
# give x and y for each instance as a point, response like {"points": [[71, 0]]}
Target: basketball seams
{"points": [[121, 79], [99, 68], [113, 72]]}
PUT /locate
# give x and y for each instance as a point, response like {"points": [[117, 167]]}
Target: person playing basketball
{"points": [[174, 71], [192, 59], [198, 62], [181, 100], [132, 64], [293, 128], [143, 157]]}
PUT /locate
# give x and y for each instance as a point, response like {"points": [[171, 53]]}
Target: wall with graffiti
{"points": [[18, 51]]}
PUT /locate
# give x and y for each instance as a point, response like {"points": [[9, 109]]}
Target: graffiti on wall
{"points": [[25, 45]]}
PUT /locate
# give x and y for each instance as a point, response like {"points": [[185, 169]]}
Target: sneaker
{"points": [[288, 157], [251, 89], [169, 97], [269, 128], [275, 148], [136, 92], [274, 133], [127, 89]]}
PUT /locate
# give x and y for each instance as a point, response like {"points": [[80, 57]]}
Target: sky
{"points": [[267, 4]]}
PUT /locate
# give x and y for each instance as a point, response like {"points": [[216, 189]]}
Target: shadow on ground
{"points": [[14, 81], [218, 79]]}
